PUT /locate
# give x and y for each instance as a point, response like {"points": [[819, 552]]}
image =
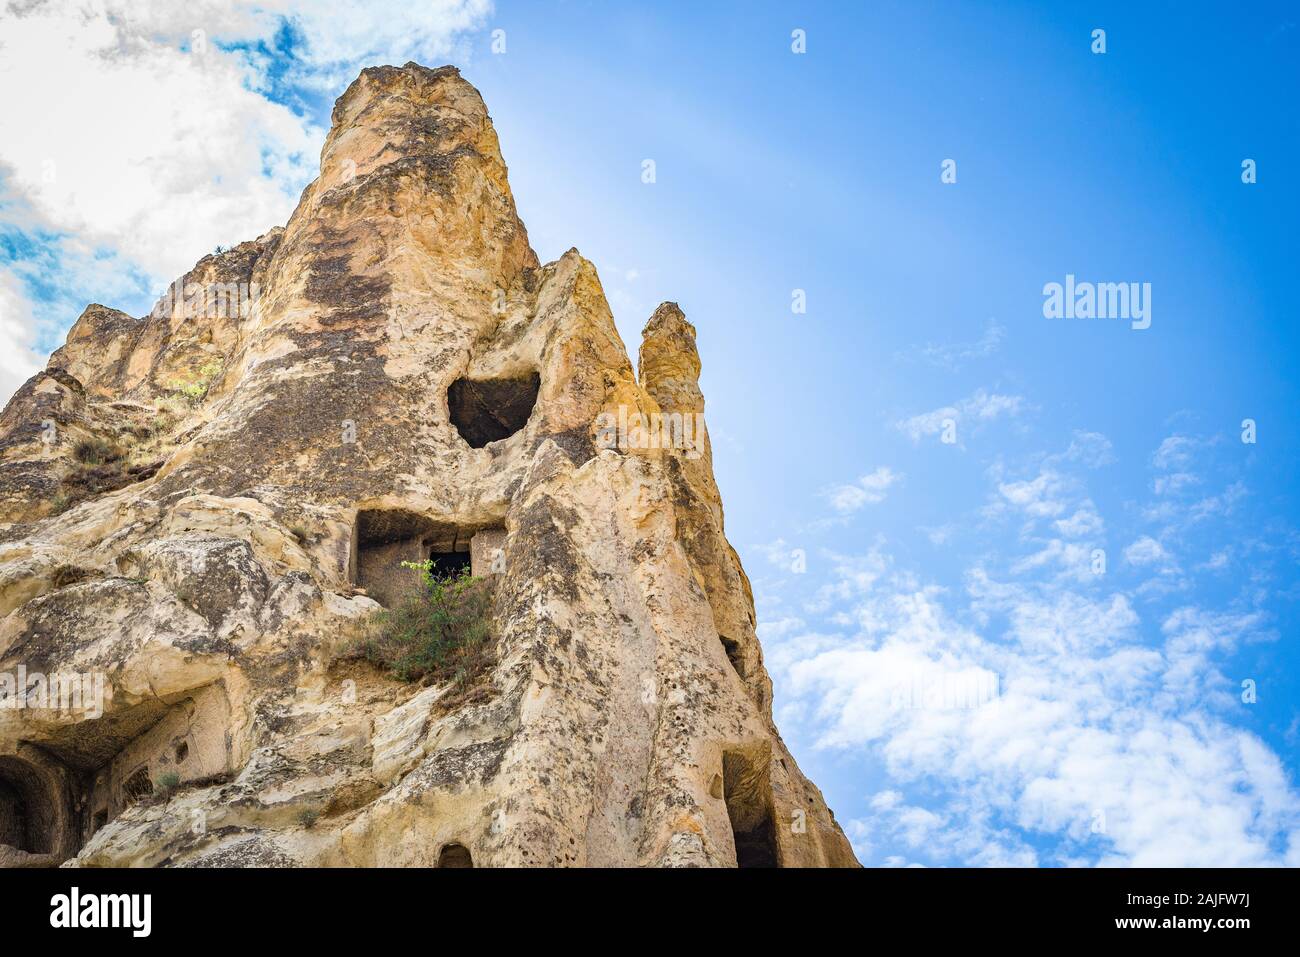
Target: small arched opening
{"points": [[138, 787], [747, 790], [28, 816], [455, 855]]}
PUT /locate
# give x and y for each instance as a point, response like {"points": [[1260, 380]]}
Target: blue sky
{"points": [[1118, 734]]}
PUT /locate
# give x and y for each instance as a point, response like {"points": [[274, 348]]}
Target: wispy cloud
{"points": [[953, 355], [870, 489], [982, 406]]}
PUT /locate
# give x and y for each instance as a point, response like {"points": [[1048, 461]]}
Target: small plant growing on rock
{"points": [[167, 783], [441, 631], [308, 816], [195, 390], [97, 451]]}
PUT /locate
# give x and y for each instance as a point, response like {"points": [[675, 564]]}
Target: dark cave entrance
{"points": [[386, 538], [734, 654], [455, 855], [746, 786], [27, 818], [487, 410], [449, 562]]}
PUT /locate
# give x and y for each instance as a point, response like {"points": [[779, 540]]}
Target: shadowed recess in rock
{"points": [[748, 792], [138, 786], [487, 410], [26, 818], [734, 655], [455, 855], [386, 538]]}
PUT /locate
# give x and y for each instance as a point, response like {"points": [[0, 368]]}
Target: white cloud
{"points": [[1091, 449], [136, 146], [1175, 452], [961, 833], [869, 490], [1173, 483], [1040, 497], [1110, 734], [953, 356], [982, 406], [1094, 741], [1218, 505], [784, 555], [939, 535], [18, 360], [851, 575], [1073, 559], [1084, 521], [1146, 551], [1220, 560]]}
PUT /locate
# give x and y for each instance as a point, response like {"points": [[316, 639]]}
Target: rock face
{"points": [[205, 508]]}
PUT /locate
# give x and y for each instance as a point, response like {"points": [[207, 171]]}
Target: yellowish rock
{"points": [[206, 507]]}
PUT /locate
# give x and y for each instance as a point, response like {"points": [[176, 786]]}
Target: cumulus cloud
{"points": [[1146, 551], [1043, 714], [1040, 497], [1085, 521], [1084, 739], [154, 152], [869, 490], [1175, 452]]}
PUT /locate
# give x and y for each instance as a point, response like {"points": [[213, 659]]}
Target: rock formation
{"points": [[205, 508]]}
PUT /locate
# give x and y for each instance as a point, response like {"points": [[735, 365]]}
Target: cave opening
{"points": [[444, 563], [747, 790], [455, 855], [488, 410], [137, 787], [27, 816], [734, 654], [386, 538]]}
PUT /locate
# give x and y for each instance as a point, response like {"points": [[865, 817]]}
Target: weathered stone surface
{"points": [[204, 506]]}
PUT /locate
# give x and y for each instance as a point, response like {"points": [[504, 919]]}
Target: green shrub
{"points": [[195, 390], [167, 783], [441, 631]]}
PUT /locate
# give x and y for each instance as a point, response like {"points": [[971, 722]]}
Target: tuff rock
{"points": [[204, 508]]}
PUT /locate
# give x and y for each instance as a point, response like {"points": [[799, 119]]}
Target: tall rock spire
{"points": [[209, 508]]}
